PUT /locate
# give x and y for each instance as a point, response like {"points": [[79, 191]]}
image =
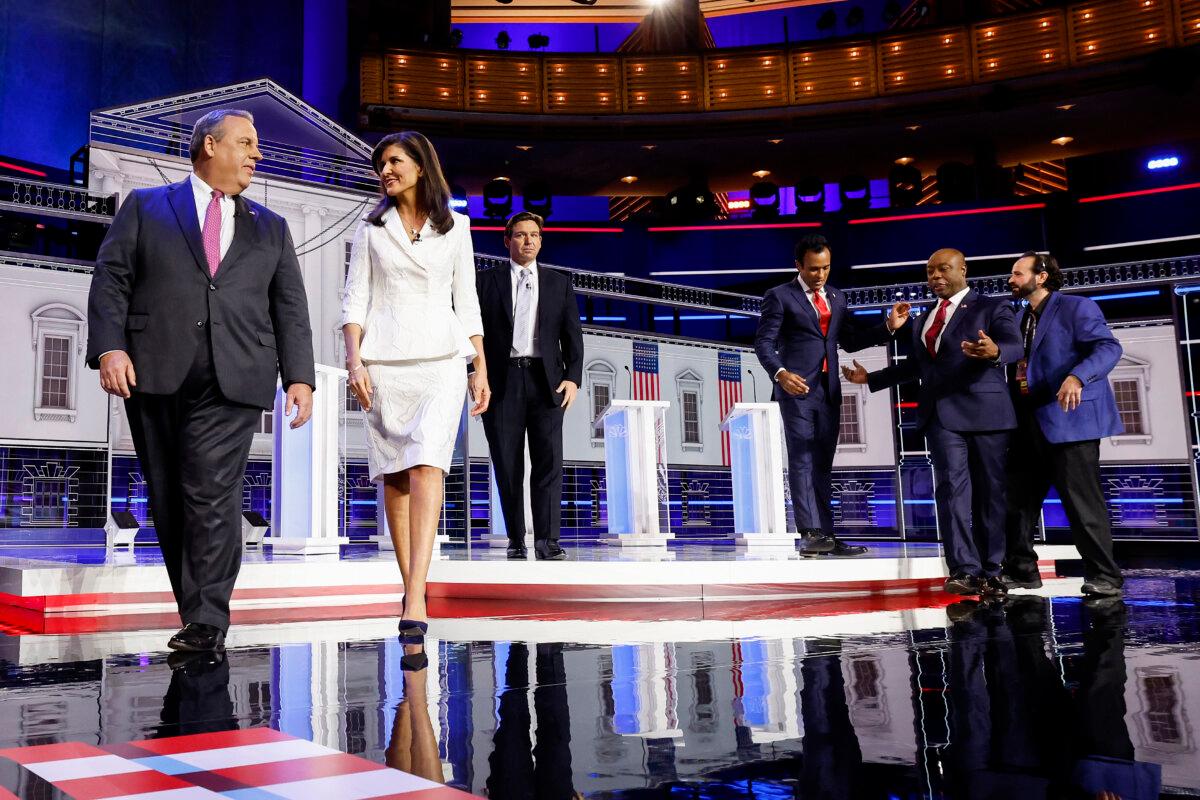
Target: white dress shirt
{"points": [[530, 347], [203, 194], [809, 294], [954, 301]]}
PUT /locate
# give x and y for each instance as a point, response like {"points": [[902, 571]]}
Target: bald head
{"points": [[946, 272]]}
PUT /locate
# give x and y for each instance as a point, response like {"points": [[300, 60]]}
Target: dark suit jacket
{"points": [[967, 394], [1072, 338], [789, 335], [560, 336], [152, 297]]}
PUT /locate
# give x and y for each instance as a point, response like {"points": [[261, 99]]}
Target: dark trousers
{"points": [[810, 428], [832, 757], [968, 469], [524, 408], [1073, 468], [192, 447], [543, 770]]}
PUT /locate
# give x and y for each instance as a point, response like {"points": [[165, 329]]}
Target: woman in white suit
{"points": [[410, 316]]}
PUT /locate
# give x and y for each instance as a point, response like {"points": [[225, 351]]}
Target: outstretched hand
{"points": [[898, 315], [982, 348], [856, 375]]}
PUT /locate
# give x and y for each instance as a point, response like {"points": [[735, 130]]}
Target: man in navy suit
{"points": [[196, 308], [1065, 406], [802, 325], [964, 410]]}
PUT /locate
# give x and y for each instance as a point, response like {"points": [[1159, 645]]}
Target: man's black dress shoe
{"points": [[549, 551], [840, 548], [196, 637], [517, 552], [962, 584], [815, 542], [195, 664], [993, 587], [1014, 582]]}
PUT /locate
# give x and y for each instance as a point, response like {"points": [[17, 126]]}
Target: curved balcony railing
{"points": [[890, 64]]}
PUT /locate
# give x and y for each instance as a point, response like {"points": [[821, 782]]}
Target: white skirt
{"points": [[415, 413]]}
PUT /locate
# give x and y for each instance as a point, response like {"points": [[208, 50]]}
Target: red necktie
{"points": [[823, 316], [935, 327]]}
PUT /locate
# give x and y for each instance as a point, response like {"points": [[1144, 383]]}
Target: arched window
{"points": [[601, 379], [59, 334], [690, 388]]}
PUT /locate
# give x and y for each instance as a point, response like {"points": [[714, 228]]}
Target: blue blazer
{"points": [[966, 394], [1072, 338], [789, 336]]}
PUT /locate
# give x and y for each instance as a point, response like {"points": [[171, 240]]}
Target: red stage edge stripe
{"points": [[19, 168], [1139, 193], [957, 213], [500, 228], [755, 227]]}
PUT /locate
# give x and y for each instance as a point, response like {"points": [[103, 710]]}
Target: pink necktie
{"points": [[212, 233]]}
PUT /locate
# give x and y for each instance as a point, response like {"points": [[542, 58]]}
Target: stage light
{"points": [[254, 528], [764, 199], [121, 529], [458, 197], [856, 193], [536, 198], [904, 186], [691, 203], [497, 198], [1163, 162], [810, 193]]}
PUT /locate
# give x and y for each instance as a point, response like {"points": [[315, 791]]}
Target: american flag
{"points": [[729, 388], [646, 385]]}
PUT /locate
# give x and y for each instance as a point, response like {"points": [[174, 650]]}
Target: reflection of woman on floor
{"points": [[410, 316], [413, 747]]}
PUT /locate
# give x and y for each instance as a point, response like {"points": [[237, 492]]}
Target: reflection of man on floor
{"points": [[832, 758], [543, 770], [197, 700]]}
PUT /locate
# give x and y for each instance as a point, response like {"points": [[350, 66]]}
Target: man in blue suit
{"points": [[964, 410], [1065, 406], [802, 325]]}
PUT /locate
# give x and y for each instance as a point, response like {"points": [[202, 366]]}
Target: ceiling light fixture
{"points": [[905, 160], [1062, 141], [761, 173], [629, 179]]}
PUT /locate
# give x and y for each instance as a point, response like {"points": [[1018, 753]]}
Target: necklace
{"points": [[414, 230]]}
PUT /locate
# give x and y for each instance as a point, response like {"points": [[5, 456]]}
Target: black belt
{"points": [[524, 362]]}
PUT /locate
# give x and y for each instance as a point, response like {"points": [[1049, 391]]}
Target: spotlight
{"points": [[856, 193], [904, 185], [855, 16], [497, 198], [764, 200], [536, 198], [827, 21], [586, 2], [538, 41], [691, 203], [254, 528], [1163, 162], [458, 197], [503, 40], [120, 530], [810, 195]]}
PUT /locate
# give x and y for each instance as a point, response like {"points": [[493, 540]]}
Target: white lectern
{"points": [[304, 473], [756, 461], [635, 466]]}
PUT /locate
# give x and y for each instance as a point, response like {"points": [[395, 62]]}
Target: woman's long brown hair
{"points": [[433, 193]]}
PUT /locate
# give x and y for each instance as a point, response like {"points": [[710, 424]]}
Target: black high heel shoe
{"points": [[411, 629], [414, 662]]}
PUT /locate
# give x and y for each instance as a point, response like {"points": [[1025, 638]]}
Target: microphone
{"points": [[630, 374], [753, 383], [417, 238]]}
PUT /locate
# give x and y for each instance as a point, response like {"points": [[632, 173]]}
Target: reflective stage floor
{"points": [[913, 695]]}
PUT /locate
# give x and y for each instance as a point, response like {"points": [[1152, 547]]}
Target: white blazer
{"points": [[414, 300]]}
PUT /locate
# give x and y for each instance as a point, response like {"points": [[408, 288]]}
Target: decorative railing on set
{"points": [[56, 199]]}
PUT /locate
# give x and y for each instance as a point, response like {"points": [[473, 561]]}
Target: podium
{"points": [[756, 461], [635, 466], [304, 473]]}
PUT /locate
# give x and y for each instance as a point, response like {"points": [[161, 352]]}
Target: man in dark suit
{"points": [[965, 412], [533, 344], [196, 306], [801, 327], [1065, 406]]}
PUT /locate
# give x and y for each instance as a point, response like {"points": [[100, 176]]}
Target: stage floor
{"points": [[902, 695], [72, 590]]}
